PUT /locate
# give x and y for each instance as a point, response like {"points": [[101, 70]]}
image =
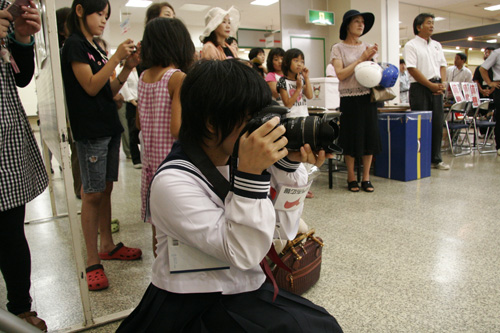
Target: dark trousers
{"points": [[133, 133], [15, 260], [422, 99], [496, 117]]}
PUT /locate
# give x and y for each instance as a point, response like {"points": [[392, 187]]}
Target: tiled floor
{"points": [[419, 256]]}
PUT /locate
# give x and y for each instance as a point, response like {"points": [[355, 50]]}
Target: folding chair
{"points": [[488, 124], [458, 124]]}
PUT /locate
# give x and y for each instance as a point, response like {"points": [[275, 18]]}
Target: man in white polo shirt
{"points": [[426, 64], [493, 63], [458, 73]]}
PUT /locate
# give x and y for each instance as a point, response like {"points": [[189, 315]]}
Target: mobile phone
{"points": [[15, 8]]}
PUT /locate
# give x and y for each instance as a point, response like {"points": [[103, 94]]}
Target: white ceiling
{"points": [[458, 14], [253, 17]]}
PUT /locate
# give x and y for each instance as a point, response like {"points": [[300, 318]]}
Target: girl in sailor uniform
{"points": [[208, 276]]}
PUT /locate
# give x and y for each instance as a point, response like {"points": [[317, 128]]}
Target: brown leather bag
{"points": [[303, 256]]}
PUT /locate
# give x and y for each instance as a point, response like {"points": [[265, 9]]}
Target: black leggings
{"points": [[15, 260]]}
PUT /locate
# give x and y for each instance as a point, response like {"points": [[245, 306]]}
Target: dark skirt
{"points": [[359, 132], [163, 311]]}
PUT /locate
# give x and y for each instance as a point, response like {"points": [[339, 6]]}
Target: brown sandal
{"points": [[31, 317]]}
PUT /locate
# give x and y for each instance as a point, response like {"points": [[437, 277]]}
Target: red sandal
{"points": [[121, 252], [96, 278]]}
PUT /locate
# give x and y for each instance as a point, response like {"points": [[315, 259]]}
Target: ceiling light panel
{"points": [[138, 3], [263, 2], [191, 7], [493, 8]]}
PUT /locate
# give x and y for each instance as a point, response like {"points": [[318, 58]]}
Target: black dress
{"points": [[359, 131]]}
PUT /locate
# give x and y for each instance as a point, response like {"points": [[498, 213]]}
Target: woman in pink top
{"points": [[219, 25], [167, 52], [359, 135]]}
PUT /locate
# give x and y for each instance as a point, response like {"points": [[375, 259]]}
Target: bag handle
{"points": [[290, 245]]}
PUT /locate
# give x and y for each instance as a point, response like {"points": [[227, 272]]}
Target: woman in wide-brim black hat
{"points": [[359, 135]]}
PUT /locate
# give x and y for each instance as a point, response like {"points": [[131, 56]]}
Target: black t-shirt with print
{"points": [[91, 117]]}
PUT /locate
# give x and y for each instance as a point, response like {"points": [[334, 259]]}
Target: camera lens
{"points": [[294, 129], [318, 132], [328, 131]]}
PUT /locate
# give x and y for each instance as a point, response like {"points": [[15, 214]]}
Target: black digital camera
{"points": [[319, 132]]}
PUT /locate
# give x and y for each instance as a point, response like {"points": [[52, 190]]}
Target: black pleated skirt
{"points": [[359, 131], [163, 311]]}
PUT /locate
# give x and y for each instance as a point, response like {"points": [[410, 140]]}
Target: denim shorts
{"points": [[99, 159]]}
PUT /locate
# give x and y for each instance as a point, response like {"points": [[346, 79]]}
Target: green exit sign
{"points": [[320, 17]]}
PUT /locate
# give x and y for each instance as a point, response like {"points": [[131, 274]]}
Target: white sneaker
{"points": [[138, 166], [441, 166]]}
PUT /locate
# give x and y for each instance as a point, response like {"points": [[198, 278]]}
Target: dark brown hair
{"points": [[89, 7], [155, 9], [239, 93], [166, 41]]}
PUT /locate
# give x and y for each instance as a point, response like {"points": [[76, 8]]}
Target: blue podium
{"points": [[406, 145]]}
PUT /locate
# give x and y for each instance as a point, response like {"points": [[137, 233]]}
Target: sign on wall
{"points": [[320, 17]]}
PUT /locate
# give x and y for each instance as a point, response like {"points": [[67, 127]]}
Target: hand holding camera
{"points": [[27, 19], [134, 58], [309, 137], [263, 147], [125, 49], [307, 155]]}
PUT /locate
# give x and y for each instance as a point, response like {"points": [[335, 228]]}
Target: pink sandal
{"points": [[121, 252], [96, 278]]}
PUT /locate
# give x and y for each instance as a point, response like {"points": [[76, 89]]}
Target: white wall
{"points": [[385, 31], [293, 23]]}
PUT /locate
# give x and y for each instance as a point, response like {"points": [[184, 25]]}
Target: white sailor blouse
{"points": [[238, 232], [22, 173]]}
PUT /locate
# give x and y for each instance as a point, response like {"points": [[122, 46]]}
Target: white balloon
{"points": [[368, 74]]}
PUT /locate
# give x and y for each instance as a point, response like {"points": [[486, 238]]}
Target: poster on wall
{"points": [[41, 36]]}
